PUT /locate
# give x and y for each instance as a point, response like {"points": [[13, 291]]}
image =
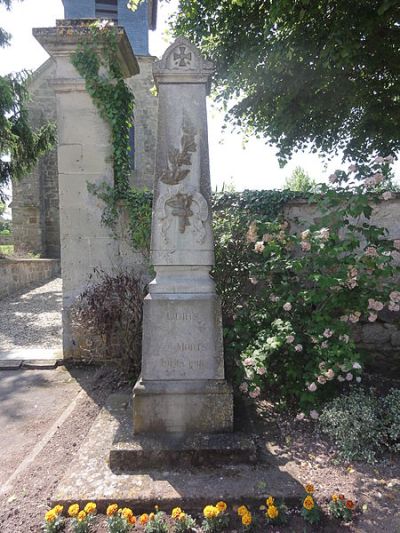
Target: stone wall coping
{"points": [[11, 260], [67, 34]]}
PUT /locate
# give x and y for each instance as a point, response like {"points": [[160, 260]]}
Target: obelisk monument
{"points": [[182, 388]]}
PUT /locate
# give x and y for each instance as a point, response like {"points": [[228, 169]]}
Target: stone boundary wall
{"points": [[381, 339], [16, 274], [6, 240]]}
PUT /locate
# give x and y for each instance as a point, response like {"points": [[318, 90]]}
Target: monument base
{"points": [[182, 407]]}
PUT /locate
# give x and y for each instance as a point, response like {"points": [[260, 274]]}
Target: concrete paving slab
{"points": [[90, 477], [40, 363], [30, 354], [30, 403], [10, 364]]}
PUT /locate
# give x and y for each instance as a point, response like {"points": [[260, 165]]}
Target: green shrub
{"points": [[354, 423], [292, 326], [391, 418]]}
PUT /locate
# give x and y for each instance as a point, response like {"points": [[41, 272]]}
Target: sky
{"points": [[253, 166]]}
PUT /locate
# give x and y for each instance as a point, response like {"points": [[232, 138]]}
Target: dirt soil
{"points": [[376, 488]]}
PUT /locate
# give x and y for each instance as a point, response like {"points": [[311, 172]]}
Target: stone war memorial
{"points": [[181, 409]]}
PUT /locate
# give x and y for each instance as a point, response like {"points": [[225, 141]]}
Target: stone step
{"points": [[93, 477]]}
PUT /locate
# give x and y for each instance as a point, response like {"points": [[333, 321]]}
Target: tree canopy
{"points": [[20, 146], [300, 181], [324, 73]]}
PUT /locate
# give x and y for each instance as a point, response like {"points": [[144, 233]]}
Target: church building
{"points": [[35, 204]]}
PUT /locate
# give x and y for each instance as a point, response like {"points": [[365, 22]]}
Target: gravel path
{"points": [[32, 319]]}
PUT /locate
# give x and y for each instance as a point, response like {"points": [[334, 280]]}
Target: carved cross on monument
{"points": [[182, 57], [182, 387]]}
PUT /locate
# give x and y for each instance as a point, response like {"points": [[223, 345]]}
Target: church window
{"points": [[107, 9]]}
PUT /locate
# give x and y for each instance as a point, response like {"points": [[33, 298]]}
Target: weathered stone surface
{"points": [[182, 388], [182, 406], [90, 478], [10, 364], [16, 274], [375, 333], [395, 339]]}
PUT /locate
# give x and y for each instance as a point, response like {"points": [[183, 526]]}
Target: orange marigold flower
{"points": [[112, 509], [270, 501], [309, 488], [126, 513], [58, 509], [242, 510], [341, 496], [210, 511], [81, 516], [151, 516], [144, 518], [221, 506], [308, 503], [73, 510], [335, 497], [247, 519], [90, 508], [350, 504], [176, 512], [132, 520], [272, 512], [50, 516]]}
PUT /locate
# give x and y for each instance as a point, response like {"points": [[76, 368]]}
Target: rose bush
{"points": [[292, 334]]}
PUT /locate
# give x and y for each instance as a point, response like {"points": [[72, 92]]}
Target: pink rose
{"points": [[349, 376], [330, 374], [255, 393], [395, 296], [387, 195], [357, 366], [371, 251], [287, 306], [314, 414], [274, 298], [243, 387], [328, 333], [267, 237], [249, 361], [261, 371], [312, 387], [305, 246], [324, 345], [321, 380], [290, 339], [300, 416], [372, 317]]}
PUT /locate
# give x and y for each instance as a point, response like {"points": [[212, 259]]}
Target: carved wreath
{"points": [[178, 159]]}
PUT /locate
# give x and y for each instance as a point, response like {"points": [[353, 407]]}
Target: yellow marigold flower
{"points": [[90, 508], [242, 510], [176, 512], [308, 503], [126, 513], [221, 506], [58, 509], [151, 516], [144, 518], [132, 520], [309, 488], [50, 516], [335, 497], [73, 510], [112, 509], [270, 501], [81, 516], [182, 516], [272, 512], [247, 519], [210, 511]]}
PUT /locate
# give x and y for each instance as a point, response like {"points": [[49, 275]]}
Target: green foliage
{"points": [[300, 181], [293, 328], [20, 146], [391, 419], [339, 510], [354, 423], [158, 524], [97, 62], [319, 74]]}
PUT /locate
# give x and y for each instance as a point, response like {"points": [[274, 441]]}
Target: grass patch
{"points": [[6, 249]]}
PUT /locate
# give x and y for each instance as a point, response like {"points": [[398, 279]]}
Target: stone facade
{"points": [[35, 212], [16, 274], [35, 205]]}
